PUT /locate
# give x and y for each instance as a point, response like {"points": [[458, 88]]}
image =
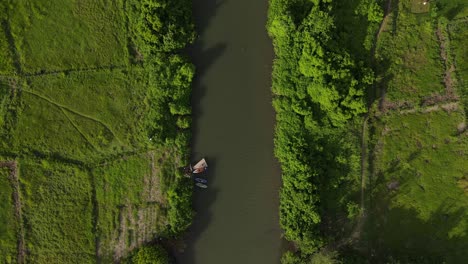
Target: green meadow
{"points": [[408, 51], [57, 212], [97, 120], [8, 221], [417, 197], [64, 35], [418, 208]]}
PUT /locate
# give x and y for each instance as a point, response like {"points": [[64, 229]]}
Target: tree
{"points": [[325, 258], [150, 255]]}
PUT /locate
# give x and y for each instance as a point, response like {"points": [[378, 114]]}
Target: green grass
{"points": [[6, 60], [5, 91], [408, 56], [8, 221], [420, 6], [78, 112], [62, 35], [427, 217], [130, 205], [57, 213], [94, 113], [458, 31], [44, 128]]}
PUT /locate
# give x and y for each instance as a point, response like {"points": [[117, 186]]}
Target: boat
{"points": [[201, 166], [201, 180], [201, 185]]}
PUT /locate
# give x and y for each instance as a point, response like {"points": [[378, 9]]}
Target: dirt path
{"points": [[13, 166], [383, 24], [443, 38], [60, 106], [356, 234]]}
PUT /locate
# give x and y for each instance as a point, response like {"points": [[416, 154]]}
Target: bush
{"points": [[150, 255]]}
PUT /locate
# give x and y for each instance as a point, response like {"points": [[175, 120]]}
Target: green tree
{"points": [[325, 258], [150, 255], [161, 25]]}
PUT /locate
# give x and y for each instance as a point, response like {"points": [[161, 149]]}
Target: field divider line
{"points": [[12, 46], [74, 112], [78, 129], [67, 71]]}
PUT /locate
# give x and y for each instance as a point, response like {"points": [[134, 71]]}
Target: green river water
{"points": [[233, 125]]}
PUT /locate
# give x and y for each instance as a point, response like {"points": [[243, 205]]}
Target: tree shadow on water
{"points": [[202, 200], [202, 58], [203, 54]]}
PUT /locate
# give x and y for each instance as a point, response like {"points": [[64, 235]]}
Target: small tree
{"points": [[150, 255], [325, 258]]}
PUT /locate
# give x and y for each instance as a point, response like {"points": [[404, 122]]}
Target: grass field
{"points": [[6, 60], [425, 213], [57, 212], [409, 52], [97, 113], [98, 134], [458, 32], [420, 6], [129, 204], [8, 223], [418, 199], [63, 35]]}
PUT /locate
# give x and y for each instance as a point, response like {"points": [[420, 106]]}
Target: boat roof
{"points": [[201, 164]]}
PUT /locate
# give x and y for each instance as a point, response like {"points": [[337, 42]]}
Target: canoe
{"points": [[201, 185], [201, 166], [201, 180]]}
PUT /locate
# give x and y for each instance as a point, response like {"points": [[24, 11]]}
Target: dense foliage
{"points": [[319, 89], [149, 255], [162, 25]]}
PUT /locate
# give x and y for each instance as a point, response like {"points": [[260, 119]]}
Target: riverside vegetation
{"points": [[94, 124], [371, 131]]}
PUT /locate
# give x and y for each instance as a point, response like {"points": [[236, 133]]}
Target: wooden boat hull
{"points": [[201, 180]]}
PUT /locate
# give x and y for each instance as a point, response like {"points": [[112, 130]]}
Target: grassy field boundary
{"points": [[14, 179], [78, 70], [60, 106], [356, 233], [13, 49], [78, 129]]}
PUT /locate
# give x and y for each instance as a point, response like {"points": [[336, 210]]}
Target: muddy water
{"points": [[237, 216]]}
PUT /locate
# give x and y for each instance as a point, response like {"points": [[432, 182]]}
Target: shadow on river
{"points": [[233, 125]]}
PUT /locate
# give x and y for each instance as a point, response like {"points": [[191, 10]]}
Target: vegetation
{"points": [[86, 35], [336, 60], [8, 223], [95, 111], [458, 35], [418, 174], [150, 255], [423, 156], [319, 88], [57, 204], [413, 67]]}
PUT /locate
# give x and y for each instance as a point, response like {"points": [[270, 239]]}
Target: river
{"points": [[233, 125]]}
